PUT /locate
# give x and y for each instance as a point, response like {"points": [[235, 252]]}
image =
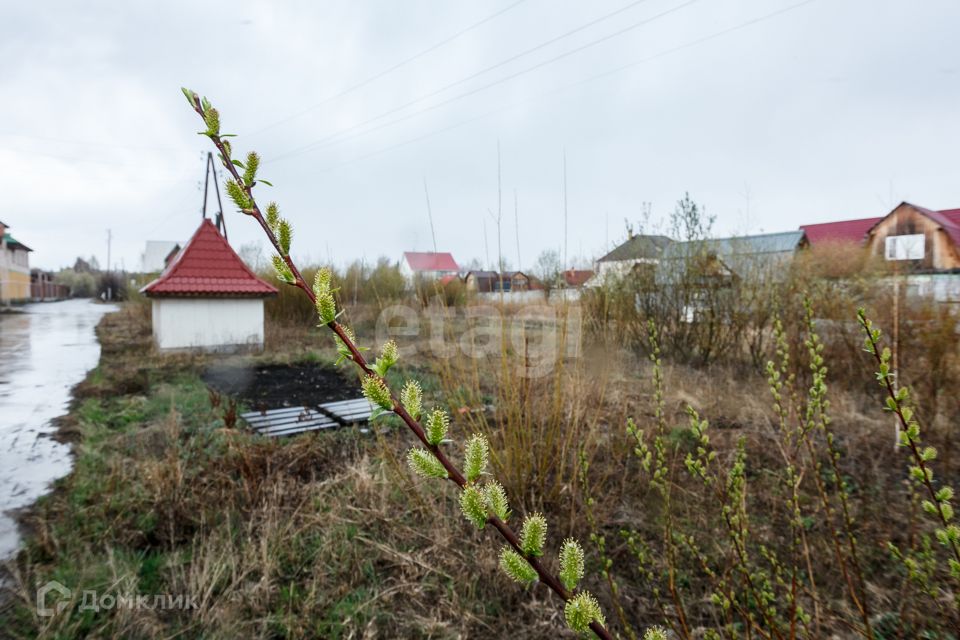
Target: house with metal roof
{"points": [[14, 268], [427, 265], [207, 298], [662, 258], [940, 230], [917, 239], [636, 250]]}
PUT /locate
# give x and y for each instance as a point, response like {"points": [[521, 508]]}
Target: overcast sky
{"points": [[833, 109]]}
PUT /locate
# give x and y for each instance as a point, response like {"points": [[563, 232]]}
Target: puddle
{"points": [[44, 351]]}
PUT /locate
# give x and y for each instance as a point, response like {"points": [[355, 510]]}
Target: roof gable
{"points": [[948, 219], [638, 247], [208, 266], [13, 243], [429, 261]]}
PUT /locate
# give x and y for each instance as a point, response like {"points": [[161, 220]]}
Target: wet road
{"points": [[43, 353]]}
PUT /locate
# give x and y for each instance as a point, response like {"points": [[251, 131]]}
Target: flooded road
{"points": [[43, 353]]}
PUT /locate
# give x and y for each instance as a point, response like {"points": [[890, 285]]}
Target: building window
{"points": [[908, 247]]}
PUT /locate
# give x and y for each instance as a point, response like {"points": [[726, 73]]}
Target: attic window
{"points": [[906, 247]]}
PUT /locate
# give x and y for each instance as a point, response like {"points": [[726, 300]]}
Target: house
{"points": [[659, 259], [575, 278], [917, 239], [757, 255], [920, 245], [517, 281], [14, 268], [481, 281], [155, 254], [207, 298], [43, 287], [636, 250], [899, 231], [427, 265]]}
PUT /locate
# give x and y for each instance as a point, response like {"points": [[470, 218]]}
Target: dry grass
{"points": [[329, 535]]}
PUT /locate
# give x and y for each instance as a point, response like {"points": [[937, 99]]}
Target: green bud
{"points": [[944, 494], [571, 563], [497, 500], [473, 503], [284, 274], [533, 535], [273, 216], [326, 308], [190, 96], [438, 422], [581, 610], [388, 357], [250, 171], [513, 564], [284, 236], [425, 464], [212, 117], [475, 459], [389, 352], [411, 397], [947, 510], [326, 305], [238, 195], [655, 633], [913, 431], [375, 390]]}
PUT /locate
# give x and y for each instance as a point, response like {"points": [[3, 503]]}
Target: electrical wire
{"points": [[333, 138], [377, 76], [589, 79]]}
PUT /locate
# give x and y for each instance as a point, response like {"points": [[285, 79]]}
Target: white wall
{"points": [[208, 323], [514, 297]]}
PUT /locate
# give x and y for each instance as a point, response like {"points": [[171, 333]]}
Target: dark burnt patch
{"points": [[272, 386]]}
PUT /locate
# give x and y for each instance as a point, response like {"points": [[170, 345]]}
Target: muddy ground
{"points": [[273, 386]]}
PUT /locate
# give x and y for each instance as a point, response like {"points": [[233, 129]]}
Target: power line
{"points": [[567, 87], [89, 143], [330, 139], [389, 70]]}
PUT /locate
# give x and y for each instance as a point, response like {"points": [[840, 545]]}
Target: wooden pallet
{"points": [[290, 421]]}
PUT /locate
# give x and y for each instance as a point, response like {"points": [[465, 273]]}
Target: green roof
{"points": [[13, 242]]}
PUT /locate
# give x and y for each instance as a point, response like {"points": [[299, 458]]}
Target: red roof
{"points": [[208, 266], [576, 277], [427, 261], [857, 230], [949, 219], [843, 231]]}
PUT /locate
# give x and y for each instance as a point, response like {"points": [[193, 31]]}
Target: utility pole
{"points": [[499, 218], [516, 223], [564, 208], [109, 240], [219, 220], [486, 246], [430, 214]]}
